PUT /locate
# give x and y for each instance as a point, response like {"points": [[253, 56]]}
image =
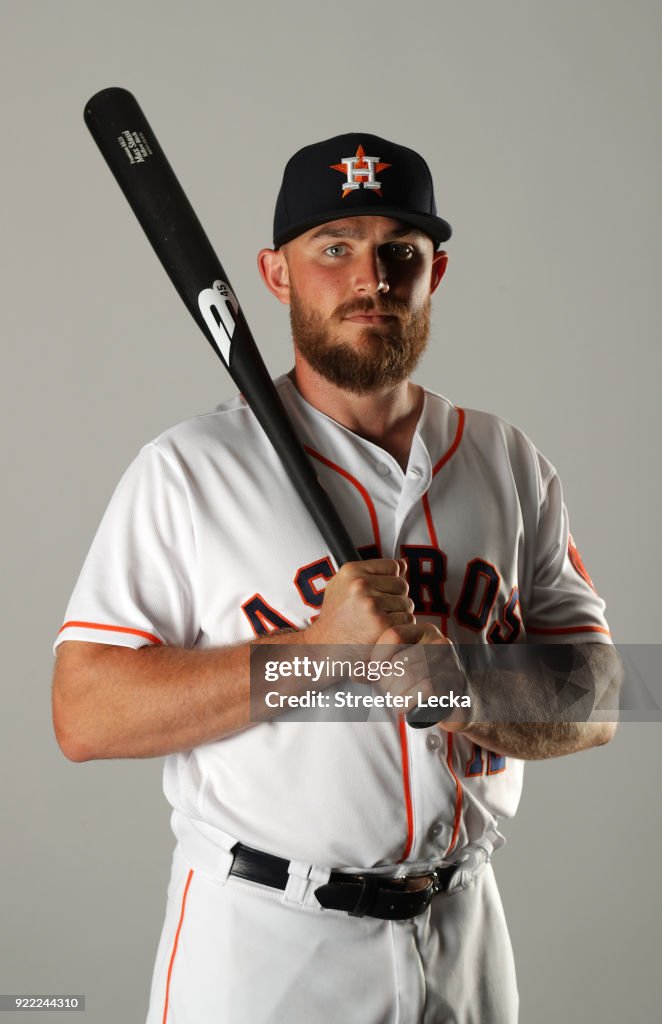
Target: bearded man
{"points": [[334, 870]]}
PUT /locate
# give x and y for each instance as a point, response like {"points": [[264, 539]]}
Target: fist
{"points": [[434, 679], [362, 601]]}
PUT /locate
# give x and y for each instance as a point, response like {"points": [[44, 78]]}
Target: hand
{"points": [[434, 676], [361, 601]]}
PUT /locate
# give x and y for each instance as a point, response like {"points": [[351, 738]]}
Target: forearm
{"points": [[111, 701], [117, 702], [549, 707], [535, 741]]}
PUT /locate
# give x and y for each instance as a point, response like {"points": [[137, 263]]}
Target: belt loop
{"points": [[365, 899], [206, 849], [298, 887]]}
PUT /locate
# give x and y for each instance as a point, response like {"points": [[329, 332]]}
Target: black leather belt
{"points": [[390, 899]]}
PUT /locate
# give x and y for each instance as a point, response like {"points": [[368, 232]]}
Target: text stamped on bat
{"points": [[135, 145]]}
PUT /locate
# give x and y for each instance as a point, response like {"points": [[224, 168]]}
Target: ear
{"points": [[275, 273], [439, 264]]}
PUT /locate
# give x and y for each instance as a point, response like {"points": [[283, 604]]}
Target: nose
{"points": [[370, 277]]}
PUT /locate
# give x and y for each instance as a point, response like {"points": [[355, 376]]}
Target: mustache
{"points": [[384, 307]]}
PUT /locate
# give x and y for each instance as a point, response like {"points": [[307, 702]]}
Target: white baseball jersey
{"points": [[206, 543]]}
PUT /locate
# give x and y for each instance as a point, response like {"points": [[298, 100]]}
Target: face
{"points": [[359, 293]]}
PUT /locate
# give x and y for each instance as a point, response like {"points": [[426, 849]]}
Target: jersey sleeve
{"points": [[136, 585], [563, 605]]}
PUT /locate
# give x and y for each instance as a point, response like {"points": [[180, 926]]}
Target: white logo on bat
{"points": [[217, 305]]}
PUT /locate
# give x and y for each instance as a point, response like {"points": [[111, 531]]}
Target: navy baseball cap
{"points": [[355, 175]]}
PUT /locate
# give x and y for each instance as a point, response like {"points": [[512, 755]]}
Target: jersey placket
{"points": [[432, 789]]}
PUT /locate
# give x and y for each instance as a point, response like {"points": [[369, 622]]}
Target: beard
{"points": [[387, 355]]}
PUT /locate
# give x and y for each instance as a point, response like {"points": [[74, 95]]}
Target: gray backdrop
{"points": [[540, 120]]}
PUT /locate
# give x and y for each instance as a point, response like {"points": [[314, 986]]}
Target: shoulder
{"points": [[493, 442], [206, 449], [232, 422], [488, 428], [228, 419]]}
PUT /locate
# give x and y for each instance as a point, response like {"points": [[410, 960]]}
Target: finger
{"points": [[388, 584], [386, 602], [376, 567], [394, 640], [400, 619], [430, 635], [418, 690]]}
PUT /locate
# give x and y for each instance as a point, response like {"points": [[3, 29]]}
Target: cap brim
{"points": [[437, 228]]}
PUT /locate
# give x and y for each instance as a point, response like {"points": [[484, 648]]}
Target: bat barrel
{"points": [[141, 169]]}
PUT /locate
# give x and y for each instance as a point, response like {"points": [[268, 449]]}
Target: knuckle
{"points": [[358, 586]]}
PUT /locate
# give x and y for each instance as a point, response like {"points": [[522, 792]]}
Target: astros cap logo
{"points": [[360, 171]]}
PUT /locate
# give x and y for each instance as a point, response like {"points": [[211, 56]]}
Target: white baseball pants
{"points": [[234, 952]]}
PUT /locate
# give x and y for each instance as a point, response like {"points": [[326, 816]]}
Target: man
{"points": [[335, 870]]}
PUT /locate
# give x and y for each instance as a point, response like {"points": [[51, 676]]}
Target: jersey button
{"points": [[433, 741], [435, 830], [383, 469], [415, 472]]}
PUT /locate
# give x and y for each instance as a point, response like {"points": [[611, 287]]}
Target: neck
{"points": [[387, 417]]}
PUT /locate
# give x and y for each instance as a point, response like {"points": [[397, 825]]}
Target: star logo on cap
{"points": [[360, 172]]}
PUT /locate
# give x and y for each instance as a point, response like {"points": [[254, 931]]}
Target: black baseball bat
{"points": [[141, 169]]}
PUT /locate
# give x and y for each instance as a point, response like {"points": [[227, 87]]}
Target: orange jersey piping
{"points": [[456, 441], [558, 630], [360, 488], [174, 947], [404, 747], [458, 798], [113, 629]]}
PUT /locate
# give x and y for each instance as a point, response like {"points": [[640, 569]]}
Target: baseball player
{"points": [[331, 870]]}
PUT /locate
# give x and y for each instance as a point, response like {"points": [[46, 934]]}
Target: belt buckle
{"points": [[441, 877], [429, 890], [374, 891], [398, 886]]}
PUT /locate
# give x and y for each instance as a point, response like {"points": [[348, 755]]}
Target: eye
{"points": [[335, 250], [399, 251]]}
